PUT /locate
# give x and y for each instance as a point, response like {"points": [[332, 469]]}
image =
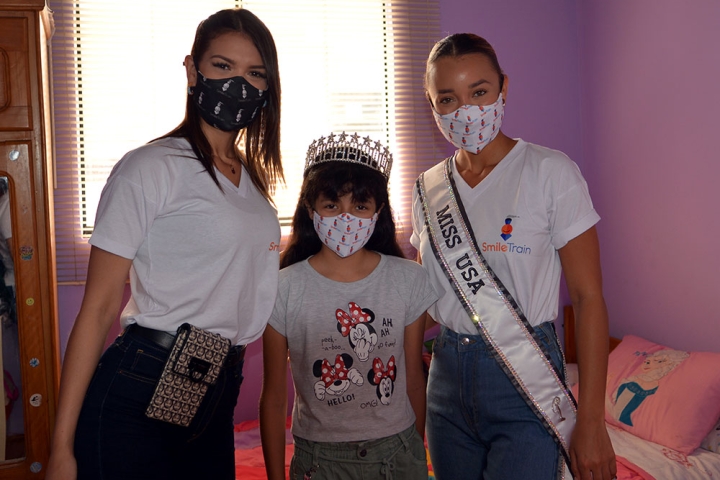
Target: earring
{"points": [[190, 90]]}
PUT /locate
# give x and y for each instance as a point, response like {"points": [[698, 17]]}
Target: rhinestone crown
{"points": [[349, 148]]}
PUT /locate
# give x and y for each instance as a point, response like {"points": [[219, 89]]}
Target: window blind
{"points": [[119, 82], [416, 142]]}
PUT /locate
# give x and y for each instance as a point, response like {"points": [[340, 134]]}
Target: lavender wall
{"points": [[628, 89], [543, 106], [650, 75], [537, 46]]}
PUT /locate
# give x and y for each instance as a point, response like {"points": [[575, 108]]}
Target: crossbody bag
{"points": [[194, 364]]}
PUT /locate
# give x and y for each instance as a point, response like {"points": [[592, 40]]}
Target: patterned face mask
{"points": [[229, 104], [472, 127], [345, 234]]}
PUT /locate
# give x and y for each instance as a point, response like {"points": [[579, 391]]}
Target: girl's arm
{"points": [[414, 334], [107, 274], [591, 451], [273, 403]]}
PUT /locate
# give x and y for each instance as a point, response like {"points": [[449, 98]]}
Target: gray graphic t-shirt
{"points": [[346, 344]]}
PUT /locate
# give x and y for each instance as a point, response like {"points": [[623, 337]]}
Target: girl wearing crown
{"points": [[495, 225], [350, 313]]}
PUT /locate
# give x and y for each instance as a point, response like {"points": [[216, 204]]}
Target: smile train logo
{"points": [[506, 230]]}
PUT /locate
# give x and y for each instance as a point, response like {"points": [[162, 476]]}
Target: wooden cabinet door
{"points": [[15, 111], [26, 193], [27, 448]]}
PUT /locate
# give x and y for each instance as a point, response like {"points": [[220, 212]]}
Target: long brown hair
{"points": [[262, 137]]}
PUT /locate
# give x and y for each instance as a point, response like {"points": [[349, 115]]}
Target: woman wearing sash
{"points": [[495, 225]]}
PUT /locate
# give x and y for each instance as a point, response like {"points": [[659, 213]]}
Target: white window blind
{"points": [[119, 82]]}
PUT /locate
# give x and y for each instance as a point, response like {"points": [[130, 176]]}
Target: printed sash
{"points": [[492, 309]]}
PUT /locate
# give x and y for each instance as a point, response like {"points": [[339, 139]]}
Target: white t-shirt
{"points": [[350, 383], [199, 255], [541, 199]]}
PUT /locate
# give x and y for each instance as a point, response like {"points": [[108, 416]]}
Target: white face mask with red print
{"points": [[472, 127], [344, 234]]}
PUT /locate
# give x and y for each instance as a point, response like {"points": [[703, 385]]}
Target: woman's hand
{"points": [[61, 466], [591, 452]]}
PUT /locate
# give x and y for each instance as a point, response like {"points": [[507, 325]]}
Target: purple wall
{"points": [[629, 90], [641, 128], [537, 46], [650, 75]]}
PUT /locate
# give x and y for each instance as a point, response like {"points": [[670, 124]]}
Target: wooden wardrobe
{"points": [[31, 368]]}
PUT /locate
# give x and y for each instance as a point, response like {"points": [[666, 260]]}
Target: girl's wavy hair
{"points": [[262, 136], [334, 180]]}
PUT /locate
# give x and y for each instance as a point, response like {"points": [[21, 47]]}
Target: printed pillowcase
{"points": [[665, 396], [712, 441]]}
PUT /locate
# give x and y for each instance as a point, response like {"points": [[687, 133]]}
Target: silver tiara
{"points": [[349, 148]]}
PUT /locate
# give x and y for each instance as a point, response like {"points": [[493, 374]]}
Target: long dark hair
{"points": [[460, 44], [262, 137], [335, 179]]}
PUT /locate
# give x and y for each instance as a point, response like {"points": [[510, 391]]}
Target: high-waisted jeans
{"points": [[115, 440], [478, 426]]}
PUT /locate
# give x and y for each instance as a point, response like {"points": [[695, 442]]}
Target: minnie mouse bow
{"points": [[380, 372], [348, 321], [331, 374]]}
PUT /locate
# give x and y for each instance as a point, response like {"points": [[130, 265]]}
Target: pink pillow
{"points": [[663, 395], [712, 441]]}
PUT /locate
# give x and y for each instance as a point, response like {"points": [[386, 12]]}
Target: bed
{"points": [[662, 408], [249, 463], [673, 433]]}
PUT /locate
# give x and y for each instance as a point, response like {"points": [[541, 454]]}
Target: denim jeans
{"points": [[397, 457], [478, 426], [115, 440]]}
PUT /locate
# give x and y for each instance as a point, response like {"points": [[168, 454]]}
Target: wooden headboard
{"points": [[569, 337]]}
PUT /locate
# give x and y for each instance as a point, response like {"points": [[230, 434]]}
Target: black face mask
{"points": [[228, 103]]}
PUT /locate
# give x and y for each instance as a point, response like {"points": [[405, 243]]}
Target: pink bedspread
{"points": [[636, 459], [626, 470], [639, 459], [249, 462]]}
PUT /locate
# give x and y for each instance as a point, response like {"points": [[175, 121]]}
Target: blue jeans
{"points": [[397, 457], [478, 426], [115, 440]]}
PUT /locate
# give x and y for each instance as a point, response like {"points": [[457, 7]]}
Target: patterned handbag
{"points": [[193, 365]]}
